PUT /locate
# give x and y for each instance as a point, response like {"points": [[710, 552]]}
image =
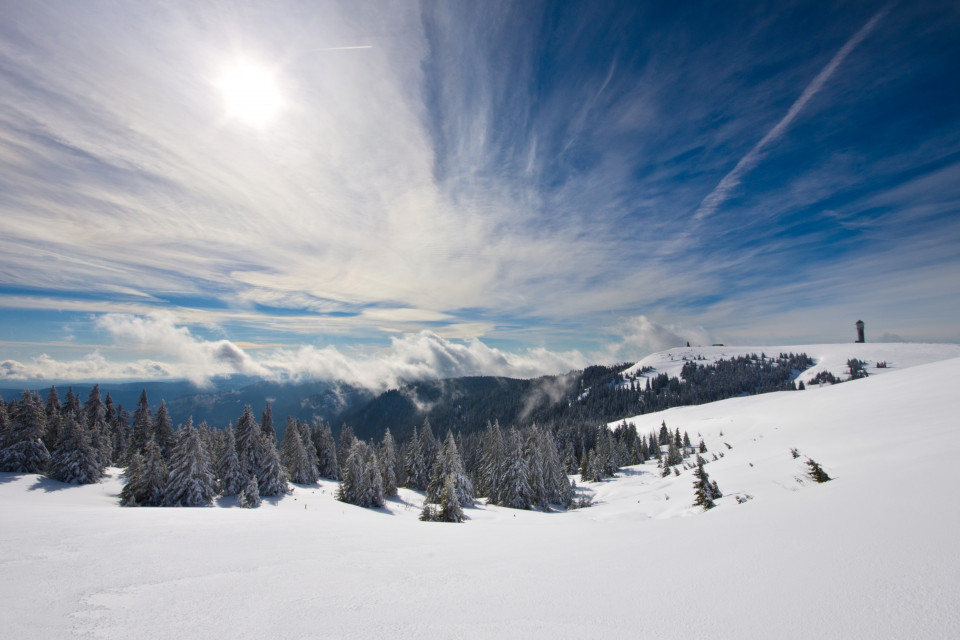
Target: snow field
{"points": [[868, 555]]}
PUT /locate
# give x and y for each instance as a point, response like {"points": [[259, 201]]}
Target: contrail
{"points": [[361, 46], [730, 181]]}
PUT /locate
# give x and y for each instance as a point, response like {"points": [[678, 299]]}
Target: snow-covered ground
{"points": [[827, 357], [871, 554]]}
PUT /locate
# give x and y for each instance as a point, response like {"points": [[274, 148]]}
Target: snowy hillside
{"points": [[827, 357], [869, 555]]}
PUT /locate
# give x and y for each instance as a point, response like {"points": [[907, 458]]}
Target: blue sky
{"points": [[457, 188]]}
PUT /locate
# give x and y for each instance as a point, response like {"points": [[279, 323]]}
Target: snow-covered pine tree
{"points": [[163, 430], [294, 456], [190, 484], [53, 410], [230, 478], [373, 482], [347, 438], [449, 463], [249, 497], [142, 428], [313, 463], [493, 460], [414, 466], [353, 478], [327, 464], [557, 483], [515, 487], [250, 447], [388, 464], [272, 480], [570, 465], [536, 471], [266, 421], [146, 478], [74, 461], [25, 451], [816, 472], [430, 448], [703, 492], [450, 508]]}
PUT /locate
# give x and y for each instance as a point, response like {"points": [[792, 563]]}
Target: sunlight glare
{"points": [[251, 94]]}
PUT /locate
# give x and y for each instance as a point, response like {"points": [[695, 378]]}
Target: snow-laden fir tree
{"points": [[191, 481], [25, 451], [146, 478], [272, 480], [249, 496], [53, 409], [373, 481], [266, 421], [493, 462], [536, 472], [388, 464], [312, 460], [555, 480], [703, 489], [816, 472], [293, 455], [449, 509], [250, 445], [230, 478], [142, 428], [322, 437], [430, 447], [74, 461], [346, 442], [570, 465], [163, 430], [449, 463], [515, 491], [360, 477], [414, 467]]}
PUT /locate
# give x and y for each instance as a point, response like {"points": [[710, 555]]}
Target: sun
{"points": [[251, 94]]}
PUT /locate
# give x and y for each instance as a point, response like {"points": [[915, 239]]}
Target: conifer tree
{"points": [[346, 443], [272, 479], [266, 422], [450, 507], [313, 463], [388, 464], [373, 481], [294, 456], [231, 480], [191, 483], [703, 491], [570, 465], [250, 447], [493, 461], [515, 487], [816, 472], [429, 446], [327, 464], [163, 431], [414, 466], [53, 411], [74, 460], [249, 497], [142, 429], [355, 477], [146, 481], [449, 463], [25, 451], [536, 470]]}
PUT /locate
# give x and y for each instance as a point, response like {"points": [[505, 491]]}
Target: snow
{"points": [[870, 554], [828, 357]]}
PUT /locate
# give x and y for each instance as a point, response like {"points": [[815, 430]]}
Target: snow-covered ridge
{"points": [[827, 357]]}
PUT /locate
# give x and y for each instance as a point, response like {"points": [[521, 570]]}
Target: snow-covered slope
{"points": [[827, 357], [871, 554]]}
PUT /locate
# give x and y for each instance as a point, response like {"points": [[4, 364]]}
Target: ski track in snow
{"points": [[871, 554]]}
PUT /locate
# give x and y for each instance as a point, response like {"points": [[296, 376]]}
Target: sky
{"points": [[383, 191]]}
